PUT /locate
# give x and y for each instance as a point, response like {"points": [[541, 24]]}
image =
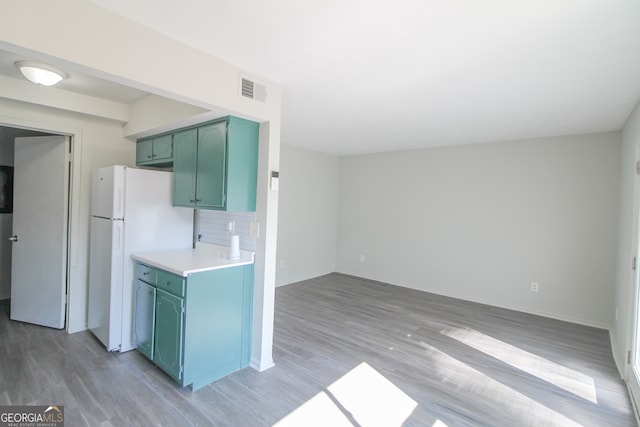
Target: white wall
{"points": [[308, 214], [627, 240], [98, 143], [158, 114], [482, 222]]}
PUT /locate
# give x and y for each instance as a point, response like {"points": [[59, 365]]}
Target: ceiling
{"points": [[368, 76]]}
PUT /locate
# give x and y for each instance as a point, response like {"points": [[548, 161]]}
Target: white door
{"points": [[39, 252]]}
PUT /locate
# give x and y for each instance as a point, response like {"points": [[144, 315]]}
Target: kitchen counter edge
{"points": [[184, 262]]}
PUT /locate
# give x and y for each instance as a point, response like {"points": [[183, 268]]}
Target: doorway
{"points": [[18, 254]]}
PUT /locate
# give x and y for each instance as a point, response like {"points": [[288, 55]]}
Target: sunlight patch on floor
{"points": [[489, 395], [362, 394], [372, 399], [567, 379], [319, 411]]}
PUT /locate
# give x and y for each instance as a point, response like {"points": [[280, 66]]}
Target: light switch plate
{"points": [[254, 229]]}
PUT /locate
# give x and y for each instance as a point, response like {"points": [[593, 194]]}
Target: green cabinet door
{"points": [[144, 151], [211, 163], [169, 333], [162, 148], [145, 318], [185, 147]]}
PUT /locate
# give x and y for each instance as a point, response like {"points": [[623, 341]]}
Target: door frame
{"points": [[73, 193], [633, 327]]}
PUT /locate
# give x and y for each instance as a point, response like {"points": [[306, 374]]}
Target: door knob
{"points": [[13, 238]]}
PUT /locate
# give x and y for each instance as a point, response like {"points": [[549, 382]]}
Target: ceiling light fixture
{"points": [[41, 74]]}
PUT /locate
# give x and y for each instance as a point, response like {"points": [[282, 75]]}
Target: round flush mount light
{"points": [[41, 74]]}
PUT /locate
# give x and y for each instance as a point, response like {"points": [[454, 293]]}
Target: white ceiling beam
{"points": [[18, 90]]}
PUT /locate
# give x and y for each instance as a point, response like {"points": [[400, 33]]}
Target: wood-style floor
{"points": [[348, 352]]}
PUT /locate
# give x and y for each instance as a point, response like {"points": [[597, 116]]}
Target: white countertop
{"points": [[187, 261]]}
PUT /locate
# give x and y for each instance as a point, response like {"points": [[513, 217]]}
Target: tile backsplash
{"points": [[212, 227]]}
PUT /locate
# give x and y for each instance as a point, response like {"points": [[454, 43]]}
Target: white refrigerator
{"points": [[131, 212]]}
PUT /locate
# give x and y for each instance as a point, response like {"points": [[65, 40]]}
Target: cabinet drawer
{"points": [[146, 273], [171, 283]]}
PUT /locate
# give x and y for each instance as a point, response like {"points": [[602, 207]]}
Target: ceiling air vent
{"points": [[252, 90]]}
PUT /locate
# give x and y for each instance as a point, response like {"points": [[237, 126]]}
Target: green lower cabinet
{"points": [[201, 330], [167, 352]]}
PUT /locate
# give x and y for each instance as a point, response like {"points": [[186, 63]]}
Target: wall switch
{"points": [[616, 313], [254, 229], [275, 178], [282, 263], [361, 258], [535, 286]]}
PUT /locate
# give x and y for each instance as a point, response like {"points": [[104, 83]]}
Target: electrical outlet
{"points": [[535, 286], [616, 313], [282, 264], [362, 258]]}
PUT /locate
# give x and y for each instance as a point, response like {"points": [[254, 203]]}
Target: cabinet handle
{"points": [[192, 201], [148, 156], [146, 273]]}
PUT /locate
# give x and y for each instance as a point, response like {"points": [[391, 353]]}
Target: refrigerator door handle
{"points": [[119, 211], [117, 238]]}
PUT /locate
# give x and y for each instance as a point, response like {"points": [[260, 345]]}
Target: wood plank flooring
{"points": [[348, 352]]}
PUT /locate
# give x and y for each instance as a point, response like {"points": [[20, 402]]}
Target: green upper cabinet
{"points": [[156, 151], [216, 165]]}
